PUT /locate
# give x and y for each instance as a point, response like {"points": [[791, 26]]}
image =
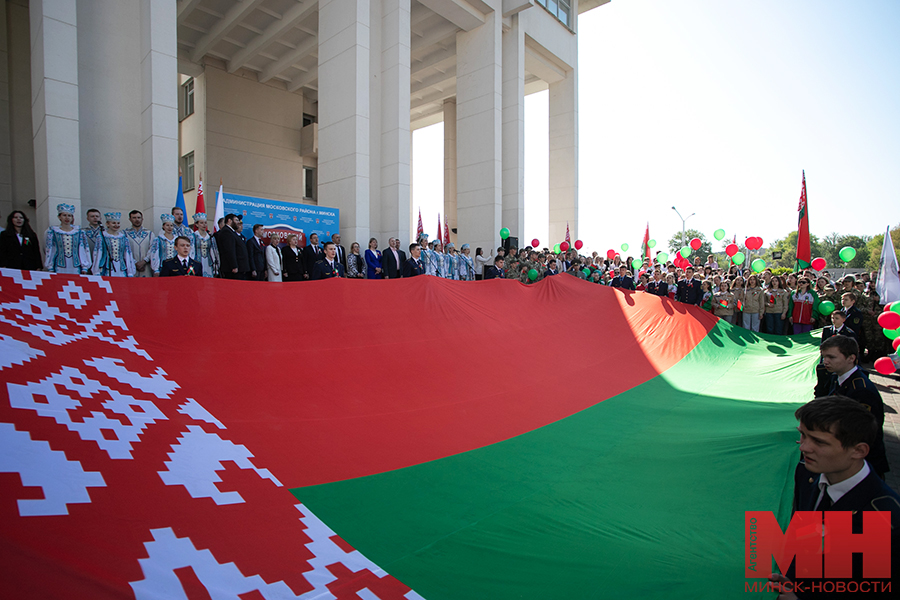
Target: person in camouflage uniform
{"points": [[512, 267], [826, 291], [878, 344]]}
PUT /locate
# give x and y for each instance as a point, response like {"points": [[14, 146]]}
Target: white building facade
{"points": [[310, 101]]}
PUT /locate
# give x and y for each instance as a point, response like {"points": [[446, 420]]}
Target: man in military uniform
{"points": [[854, 318]]}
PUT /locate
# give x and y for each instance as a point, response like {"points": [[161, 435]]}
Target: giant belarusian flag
{"points": [[412, 438]]}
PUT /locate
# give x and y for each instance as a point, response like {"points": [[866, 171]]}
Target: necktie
{"points": [[184, 263], [825, 503], [834, 384]]}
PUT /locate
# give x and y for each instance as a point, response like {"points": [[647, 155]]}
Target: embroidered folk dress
{"points": [[466, 268], [113, 257], [66, 251], [163, 248], [140, 241], [451, 266], [206, 251]]}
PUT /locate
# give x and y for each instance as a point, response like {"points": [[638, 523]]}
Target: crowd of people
{"points": [[762, 302]]}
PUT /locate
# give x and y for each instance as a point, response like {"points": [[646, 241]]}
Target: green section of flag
{"points": [[640, 496]]}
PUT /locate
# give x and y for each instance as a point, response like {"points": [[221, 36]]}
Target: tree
{"points": [[874, 247], [788, 248], [689, 234]]}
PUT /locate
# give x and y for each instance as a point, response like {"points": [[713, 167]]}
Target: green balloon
{"points": [[892, 334], [651, 243], [847, 253], [738, 258], [662, 257], [586, 271], [826, 307], [624, 247], [758, 265], [504, 233], [532, 274], [636, 264], [895, 307], [719, 234], [685, 251], [556, 249]]}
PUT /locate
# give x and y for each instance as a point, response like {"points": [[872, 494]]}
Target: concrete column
{"points": [[159, 107], [514, 129], [395, 132], [450, 166], [344, 113], [5, 149], [564, 157], [54, 108], [478, 128]]}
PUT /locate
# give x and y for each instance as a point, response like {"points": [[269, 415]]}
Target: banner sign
{"points": [[283, 218]]}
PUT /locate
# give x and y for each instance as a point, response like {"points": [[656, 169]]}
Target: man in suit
{"points": [[688, 289], [839, 357], [836, 435], [328, 267], [182, 264], [551, 268], [311, 255], [496, 270], [393, 260], [838, 327], [233, 256], [414, 266], [623, 280], [854, 316], [256, 251], [341, 253]]}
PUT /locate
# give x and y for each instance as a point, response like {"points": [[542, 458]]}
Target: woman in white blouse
{"points": [[274, 263], [480, 262]]}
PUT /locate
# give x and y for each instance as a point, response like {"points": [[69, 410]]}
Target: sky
{"points": [[717, 107]]}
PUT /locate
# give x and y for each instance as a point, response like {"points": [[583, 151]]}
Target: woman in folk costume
{"points": [[466, 264], [163, 246], [801, 307], [112, 252], [451, 262], [205, 249], [66, 247]]}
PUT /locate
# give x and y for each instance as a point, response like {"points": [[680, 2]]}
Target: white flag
{"points": [[888, 284], [220, 207]]}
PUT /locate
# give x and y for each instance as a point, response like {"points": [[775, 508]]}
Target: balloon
{"points": [[885, 365], [738, 258], [610, 254], [889, 320], [819, 264], [892, 334], [759, 243], [532, 274], [847, 253], [749, 243], [586, 271], [535, 243], [719, 234], [556, 249], [895, 307], [504, 233], [685, 251], [636, 264], [578, 244], [731, 249], [896, 344], [826, 307], [696, 243], [758, 265], [651, 243], [564, 246], [662, 257], [624, 247]]}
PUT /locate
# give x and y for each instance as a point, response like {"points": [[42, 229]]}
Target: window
{"points": [[308, 119], [561, 9], [187, 170], [187, 98], [309, 183]]}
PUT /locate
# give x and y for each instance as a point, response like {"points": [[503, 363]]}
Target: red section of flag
{"points": [[740, 305], [201, 205], [804, 253], [646, 244], [440, 234], [446, 231], [420, 229], [568, 239]]}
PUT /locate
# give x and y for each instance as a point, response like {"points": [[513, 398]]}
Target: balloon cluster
{"points": [[889, 320]]}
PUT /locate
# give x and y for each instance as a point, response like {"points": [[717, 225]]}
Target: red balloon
{"points": [[753, 243], [535, 243], [731, 249], [564, 246], [896, 344], [759, 243], [889, 320], [610, 254], [885, 365], [819, 264], [696, 243], [578, 244]]}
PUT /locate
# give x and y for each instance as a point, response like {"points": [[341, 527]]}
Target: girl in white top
{"points": [[481, 261], [274, 264]]}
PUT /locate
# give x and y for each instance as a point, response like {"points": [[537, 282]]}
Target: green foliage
{"points": [[788, 248], [675, 244], [781, 270], [873, 247]]}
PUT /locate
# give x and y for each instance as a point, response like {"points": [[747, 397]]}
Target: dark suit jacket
{"points": [[829, 331], [492, 272], [855, 322], [172, 267], [658, 288], [25, 256], [232, 253], [310, 256], [341, 255], [293, 264], [870, 494], [413, 267], [688, 291], [322, 270], [389, 267], [626, 283], [256, 252], [550, 272]]}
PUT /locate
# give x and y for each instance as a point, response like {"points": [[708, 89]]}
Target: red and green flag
{"points": [[646, 244], [804, 253], [134, 466]]}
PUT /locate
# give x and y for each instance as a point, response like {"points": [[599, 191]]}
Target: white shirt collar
{"points": [[837, 490], [846, 376]]}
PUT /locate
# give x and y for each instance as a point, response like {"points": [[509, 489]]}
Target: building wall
{"points": [[253, 136], [18, 95], [192, 138]]}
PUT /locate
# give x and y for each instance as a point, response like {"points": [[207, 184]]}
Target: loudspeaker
{"points": [[510, 242]]}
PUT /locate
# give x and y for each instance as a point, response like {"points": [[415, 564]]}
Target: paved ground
{"points": [[889, 386]]}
